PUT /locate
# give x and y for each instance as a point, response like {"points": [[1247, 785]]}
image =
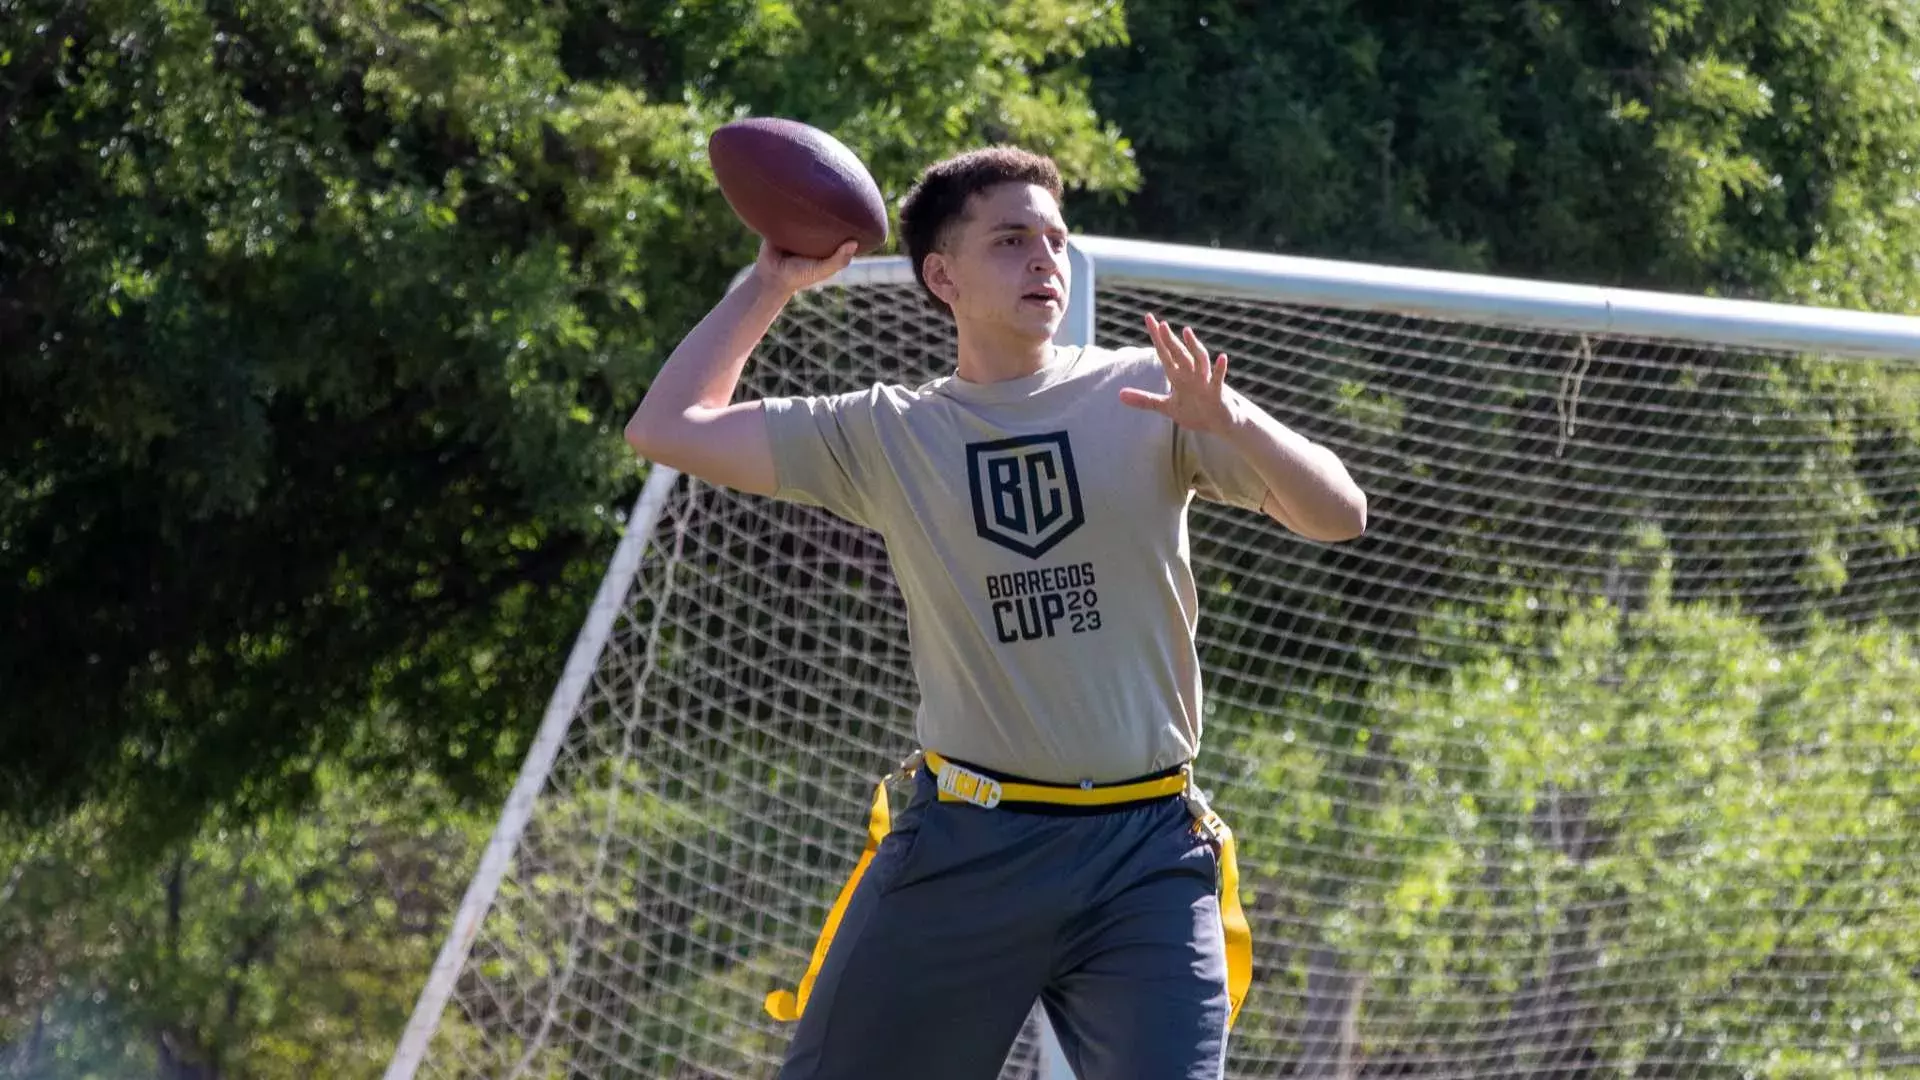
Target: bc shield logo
{"points": [[1025, 495]]}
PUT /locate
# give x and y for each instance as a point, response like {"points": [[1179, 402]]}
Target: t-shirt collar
{"points": [[1061, 362]]}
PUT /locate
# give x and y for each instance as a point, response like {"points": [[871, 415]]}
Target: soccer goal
{"points": [[1595, 757]]}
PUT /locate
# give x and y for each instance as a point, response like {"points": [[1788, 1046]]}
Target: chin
{"points": [[1039, 325], [1038, 333]]}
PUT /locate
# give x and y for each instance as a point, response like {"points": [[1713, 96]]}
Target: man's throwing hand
{"points": [[791, 273], [1196, 396]]}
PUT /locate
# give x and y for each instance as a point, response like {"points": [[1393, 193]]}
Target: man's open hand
{"points": [[1196, 396]]}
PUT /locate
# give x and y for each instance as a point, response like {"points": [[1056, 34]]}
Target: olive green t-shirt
{"points": [[1038, 531]]}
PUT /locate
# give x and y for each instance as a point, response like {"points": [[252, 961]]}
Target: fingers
{"points": [[1173, 354], [831, 264], [797, 272], [1195, 349], [1184, 356], [1142, 399], [819, 270], [1196, 385]]}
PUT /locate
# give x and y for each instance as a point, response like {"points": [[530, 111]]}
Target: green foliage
{"points": [[1664, 799], [902, 83], [326, 321], [321, 324], [284, 946], [1742, 147]]}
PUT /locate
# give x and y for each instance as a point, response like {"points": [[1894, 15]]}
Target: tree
{"points": [[1610, 834], [1740, 146], [322, 322], [284, 945]]}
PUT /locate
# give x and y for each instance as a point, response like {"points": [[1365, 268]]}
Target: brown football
{"points": [[797, 186]]}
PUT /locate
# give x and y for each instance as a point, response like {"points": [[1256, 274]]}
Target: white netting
{"points": [[1598, 756]]}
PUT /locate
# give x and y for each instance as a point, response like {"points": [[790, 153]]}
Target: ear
{"points": [[938, 271]]}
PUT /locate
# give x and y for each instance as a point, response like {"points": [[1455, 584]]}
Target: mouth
{"points": [[1046, 294]]}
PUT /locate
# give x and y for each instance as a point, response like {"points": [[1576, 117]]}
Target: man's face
{"points": [[1004, 268]]}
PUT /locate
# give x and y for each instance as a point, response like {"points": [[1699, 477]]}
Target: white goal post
{"points": [[1586, 759]]}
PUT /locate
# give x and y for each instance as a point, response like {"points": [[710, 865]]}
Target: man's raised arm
{"points": [[688, 420]]}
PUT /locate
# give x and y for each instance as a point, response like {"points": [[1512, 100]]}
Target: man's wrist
{"points": [[1243, 420], [767, 289]]}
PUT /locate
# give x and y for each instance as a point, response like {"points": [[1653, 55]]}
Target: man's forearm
{"points": [[1316, 496], [688, 420], [705, 368]]}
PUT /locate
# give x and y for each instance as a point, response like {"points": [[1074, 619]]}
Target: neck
{"points": [[987, 357]]}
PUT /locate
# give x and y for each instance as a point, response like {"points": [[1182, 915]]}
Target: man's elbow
{"points": [[1353, 523], [637, 432], [1346, 520], [651, 436]]}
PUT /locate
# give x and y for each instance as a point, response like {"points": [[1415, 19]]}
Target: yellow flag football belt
{"points": [[960, 784]]}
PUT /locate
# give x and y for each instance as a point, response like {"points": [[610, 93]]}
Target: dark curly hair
{"points": [[938, 201]]}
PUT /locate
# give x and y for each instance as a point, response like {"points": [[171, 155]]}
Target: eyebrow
{"points": [[1017, 226]]}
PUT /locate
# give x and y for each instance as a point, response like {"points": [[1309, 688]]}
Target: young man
{"points": [[1034, 505]]}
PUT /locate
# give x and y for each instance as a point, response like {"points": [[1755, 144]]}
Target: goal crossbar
{"points": [[1444, 294]]}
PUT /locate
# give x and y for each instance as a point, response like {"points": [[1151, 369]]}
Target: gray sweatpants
{"points": [[967, 915]]}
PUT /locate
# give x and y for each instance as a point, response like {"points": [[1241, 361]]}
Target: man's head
{"points": [[986, 239]]}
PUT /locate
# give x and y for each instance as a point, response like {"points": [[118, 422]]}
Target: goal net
{"points": [[1599, 755]]}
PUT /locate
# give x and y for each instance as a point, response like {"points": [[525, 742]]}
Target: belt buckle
{"points": [[1210, 825], [969, 786], [908, 766], [1204, 819]]}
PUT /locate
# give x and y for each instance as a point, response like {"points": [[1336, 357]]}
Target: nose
{"points": [[1045, 259]]}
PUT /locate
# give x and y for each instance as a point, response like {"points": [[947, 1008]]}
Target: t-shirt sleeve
{"points": [[1216, 471], [827, 452]]}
